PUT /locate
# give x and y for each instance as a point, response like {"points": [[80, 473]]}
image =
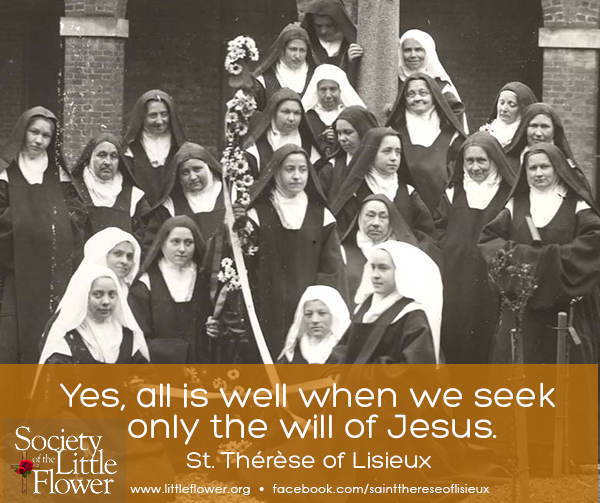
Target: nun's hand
{"points": [[239, 211], [135, 383], [212, 327], [355, 51], [329, 135]]}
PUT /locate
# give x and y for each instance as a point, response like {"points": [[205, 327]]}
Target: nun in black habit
{"points": [[153, 136], [566, 261], [374, 170], [477, 192], [332, 36], [350, 128], [170, 298], [195, 186], [509, 107], [431, 135], [541, 124], [287, 63], [282, 122], [106, 186], [41, 230], [298, 244]]}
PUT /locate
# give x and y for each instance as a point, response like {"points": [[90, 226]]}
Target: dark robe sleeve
{"points": [[325, 175], [6, 229], [141, 306], [138, 358], [414, 342], [252, 164], [440, 219], [78, 216], [59, 358], [563, 272], [145, 224], [332, 271], [425, 231]]}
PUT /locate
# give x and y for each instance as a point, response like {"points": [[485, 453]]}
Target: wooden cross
{"points": [[24, 479]]}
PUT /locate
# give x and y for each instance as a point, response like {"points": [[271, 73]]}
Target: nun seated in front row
{"points": [[399, 309], [98, 326], [321, 320]]}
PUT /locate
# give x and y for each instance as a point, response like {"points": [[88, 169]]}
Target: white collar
{"points": [[423, 129], [180, 281], [479, 194], [205, 200], [33, 169], [292, 78], [544, 205], [157, 148], [291, 210], [103, 193], [381, 184]]}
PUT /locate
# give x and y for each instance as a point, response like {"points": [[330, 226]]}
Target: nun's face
{"points": [[540, 130], [508, 107], [317, 318], [375, 220], [328, 93], [102, 299], [383, 273], [120, 259], [477, 163], [288, 116], [38, 136], [418, 97], [179, 247], [540, 171], [194, 175], [347, 136], [325, 27], [413, 54], [294, 53], [387, 159], [292, 175], [105, 161], [156, 120]]}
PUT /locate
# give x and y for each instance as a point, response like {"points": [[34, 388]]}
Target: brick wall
{"points": [[93, 8], [12, 28], [570, 13], [571, 80], [93, 83]]}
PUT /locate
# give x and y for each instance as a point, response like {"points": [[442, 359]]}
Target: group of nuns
{"points": [[373, 242]]}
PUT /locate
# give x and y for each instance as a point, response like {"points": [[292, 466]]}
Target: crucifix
{"points": [[24, 479]]}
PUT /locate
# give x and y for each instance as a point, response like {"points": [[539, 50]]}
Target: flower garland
{"points": [[240, 48], [229, 275], [239, 111]]}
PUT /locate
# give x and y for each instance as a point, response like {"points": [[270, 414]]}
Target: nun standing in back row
{"points": [[153, 136], [41, 229]]}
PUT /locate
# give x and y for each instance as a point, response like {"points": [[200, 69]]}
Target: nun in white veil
{"points": [[321, 320], [399, 311], [327, 94], [96, 325], [417, 54], [116, 249]]}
